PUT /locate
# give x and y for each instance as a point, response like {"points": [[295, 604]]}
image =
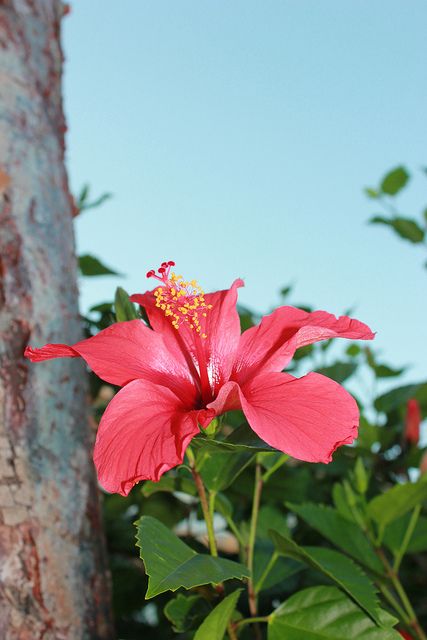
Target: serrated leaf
{"points": [[394, 181], [326, 613], [125, 309], [344, 534], [335, 566], [397, 501], [186, 612], [171, 564], [215, 625], [92, 266]]}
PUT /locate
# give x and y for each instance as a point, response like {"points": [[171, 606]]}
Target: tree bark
{"points": [[53, 578]]}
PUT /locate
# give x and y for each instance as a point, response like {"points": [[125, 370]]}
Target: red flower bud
{"points": [[412, 421]]}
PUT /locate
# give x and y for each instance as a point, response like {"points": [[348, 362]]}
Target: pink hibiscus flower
{"points": [[193, 364]]}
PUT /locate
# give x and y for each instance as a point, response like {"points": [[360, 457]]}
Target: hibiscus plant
{"points": [[245, 526]]}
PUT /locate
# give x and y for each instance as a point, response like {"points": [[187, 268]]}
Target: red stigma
{"points": [[163, 271]]}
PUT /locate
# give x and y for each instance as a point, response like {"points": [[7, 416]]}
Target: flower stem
{"points": [[411, 616], [394, 603], [252, 597], [407, 538], [281, 461], [257, 620], [206, 508], [266, 571], [231, 631]]}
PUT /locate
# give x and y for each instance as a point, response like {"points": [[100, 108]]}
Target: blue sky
{"points": [[237, 137]]}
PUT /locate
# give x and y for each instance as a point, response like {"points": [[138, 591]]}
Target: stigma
{"points": [[182, 301]]}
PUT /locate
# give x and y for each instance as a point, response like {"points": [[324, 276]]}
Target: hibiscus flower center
{"points": [[182, 301]]}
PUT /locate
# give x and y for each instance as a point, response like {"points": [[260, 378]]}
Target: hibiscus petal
{"points": [[143, 433], [270, 345], [221, 325], [124, 352], [307, 418]]}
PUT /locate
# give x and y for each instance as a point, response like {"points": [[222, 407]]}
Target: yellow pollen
{"points": [[182, 301]]}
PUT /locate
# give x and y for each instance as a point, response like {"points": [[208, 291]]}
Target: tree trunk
{"points": [[53, 578]]}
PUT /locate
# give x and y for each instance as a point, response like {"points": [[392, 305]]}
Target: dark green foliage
{"points": [[325, 613], [125, 309], [92, 266], [358, 524], [171, 564]]}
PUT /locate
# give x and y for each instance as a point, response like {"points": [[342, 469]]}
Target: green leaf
{"points": [[340, 501], [384, 371], [91, 266], [396, 530], [186, 612], [340, 371], [282, 569], [285, 291], [223, 506], [361, 477], [326, 613], [335, 566], [397, 501], [371, 193], [125, 309], [406, 228], [219, 470], [369, 434], [171, 564], [168, 484], [344, 534], [400, 395], [82, 203], [102, 307], [213, 628], [353, 350], [394, 181], [242, 439], [247, 318], [270, 518]]}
